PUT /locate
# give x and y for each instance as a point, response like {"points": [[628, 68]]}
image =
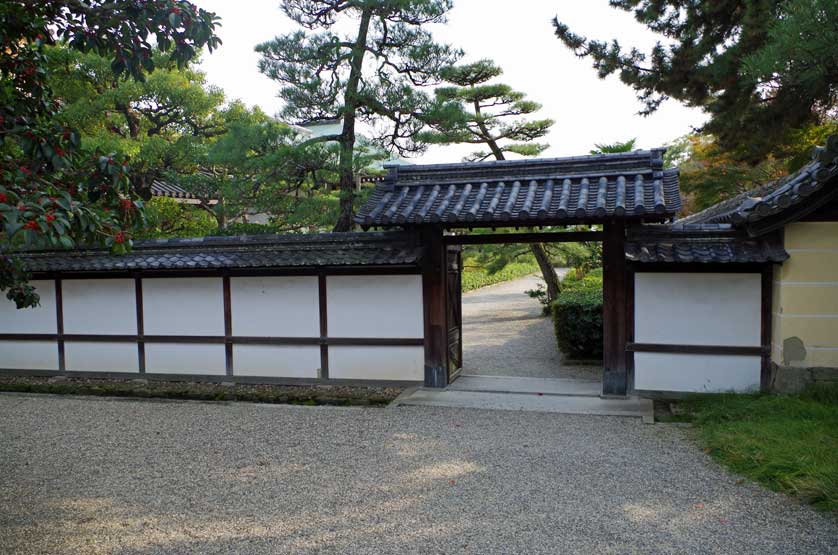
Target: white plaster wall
{"points": [[276, 361], [183, 306], [696, 373], [375, 306], [29, 355], [275, 306], [101, 306], [41, 319], [185, 358], [697, 309], [377, 363], [83, 356]]}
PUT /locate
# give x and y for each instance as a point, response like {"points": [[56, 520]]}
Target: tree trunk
{"points": [[346, 167], [547, 271]]}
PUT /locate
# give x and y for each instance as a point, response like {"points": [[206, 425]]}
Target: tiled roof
{"points": [[817, 180], [708, 243], [255, 251], [165, 189], [583, 189]]}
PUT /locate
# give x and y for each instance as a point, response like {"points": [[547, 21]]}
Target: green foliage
{"points": [[614, 148], [787, 443], [474, 111], [760, 69], [476, 277], [165, 217], [577, 320], [710, 174], [52, 192], [371, 76]]}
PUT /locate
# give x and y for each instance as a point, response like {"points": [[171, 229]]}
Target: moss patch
{"points": [[334, 395]]}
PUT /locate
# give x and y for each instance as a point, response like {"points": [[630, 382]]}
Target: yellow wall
{"points": [[805, 302]]}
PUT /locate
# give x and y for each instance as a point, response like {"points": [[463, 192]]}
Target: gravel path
{"points": [[504, 334], [101, 476]]}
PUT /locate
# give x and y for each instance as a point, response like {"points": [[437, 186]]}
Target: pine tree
{"points": [[371, 77], [761, 69], [477, 112]]}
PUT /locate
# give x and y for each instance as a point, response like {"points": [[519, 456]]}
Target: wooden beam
{"points": [[434, 303], [228, 325], [59, 322], [324, 325], [497, 238], [694, 349], [765, 327], [614, 308], [138, 290]]}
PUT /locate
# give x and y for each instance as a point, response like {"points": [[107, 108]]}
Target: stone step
{"points": [[535, 386], [563, 404]]}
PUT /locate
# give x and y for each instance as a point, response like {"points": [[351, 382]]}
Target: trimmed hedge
{"points": [[577, 318]]}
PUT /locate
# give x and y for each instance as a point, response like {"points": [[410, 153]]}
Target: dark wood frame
{"points": [[502, 238], [228, 339], [766, 272]]}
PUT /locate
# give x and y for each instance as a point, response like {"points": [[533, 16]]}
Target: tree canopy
{"points": [[761, 69], [371, 76], [51, 195]]}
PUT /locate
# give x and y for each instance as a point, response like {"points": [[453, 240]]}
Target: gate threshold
{"points": [[563, 396]]}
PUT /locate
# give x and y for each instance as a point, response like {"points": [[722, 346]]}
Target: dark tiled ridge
{"points": [[707, 243], [526, 192], [771, 199], [255, 251]]}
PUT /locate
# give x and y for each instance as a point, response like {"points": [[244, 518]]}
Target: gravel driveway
{"points": [[504, 334], [95, 476]]}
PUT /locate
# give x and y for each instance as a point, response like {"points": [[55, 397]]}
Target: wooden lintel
{"points": [[695, 349], [534, 237]]}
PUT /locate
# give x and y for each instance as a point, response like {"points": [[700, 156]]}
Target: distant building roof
{"points": [[583, 189], [254, 251]]}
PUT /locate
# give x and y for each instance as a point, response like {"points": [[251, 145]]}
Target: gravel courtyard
{"points": [[504, 334], [96, 475]]}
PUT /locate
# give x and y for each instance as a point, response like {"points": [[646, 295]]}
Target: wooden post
{"points": [[614, 310], [765, 327], [433, 293]]}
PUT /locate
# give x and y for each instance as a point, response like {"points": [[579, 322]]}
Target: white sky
{"points": [[518, 35]]}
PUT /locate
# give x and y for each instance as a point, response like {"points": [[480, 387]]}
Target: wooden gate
{"points": [[454, 310]]}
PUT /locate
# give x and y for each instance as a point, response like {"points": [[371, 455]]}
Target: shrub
{"points": [[474, 278], [577, 318]]}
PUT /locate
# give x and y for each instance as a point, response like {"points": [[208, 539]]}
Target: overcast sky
{"points": [[518, 35]]}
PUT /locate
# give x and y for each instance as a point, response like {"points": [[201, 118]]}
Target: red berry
{"points": [[126, 204], [50, 217], [31, 225], [60, 151], [4, 198], [119, 237]]}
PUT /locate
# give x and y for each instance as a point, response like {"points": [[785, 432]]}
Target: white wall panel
{"points": [[185, 358], [375, 306], [29, 355], [101, 357], [697, 309], [696, 373], [41, 319], [101, 306], [275, 306], [377, 363], [183, 306], [276, 361]]}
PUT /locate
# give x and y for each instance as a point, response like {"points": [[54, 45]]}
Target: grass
{"points": [[786, 443], [475, 278]]}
